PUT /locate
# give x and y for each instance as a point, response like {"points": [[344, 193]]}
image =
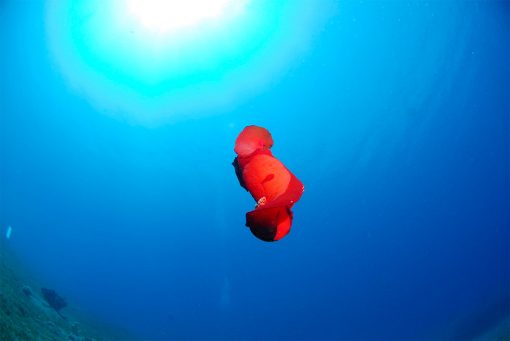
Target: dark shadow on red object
{"points": [[271, 184]]}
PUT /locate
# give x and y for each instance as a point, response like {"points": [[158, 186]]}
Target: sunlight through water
{"points": [[154, 61], [165, 16]]}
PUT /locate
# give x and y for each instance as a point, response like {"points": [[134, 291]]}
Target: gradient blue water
{"points": [[397, 121]]}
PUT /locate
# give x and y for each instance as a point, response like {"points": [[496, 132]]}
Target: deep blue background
{"points": [[397, 122]]}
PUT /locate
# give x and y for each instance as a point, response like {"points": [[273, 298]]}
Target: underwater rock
{"points": [[53, 299], [27, 291], [4, 305], [53, 328], [75, 328]]}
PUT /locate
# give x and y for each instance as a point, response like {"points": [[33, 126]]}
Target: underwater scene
{"points": [[254, 170]]}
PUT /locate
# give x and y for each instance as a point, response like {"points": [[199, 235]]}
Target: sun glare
{"points": [[159, 61], [165, 16]]}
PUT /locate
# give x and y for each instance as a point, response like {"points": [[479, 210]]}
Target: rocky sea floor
{"points": [[26, 315]]}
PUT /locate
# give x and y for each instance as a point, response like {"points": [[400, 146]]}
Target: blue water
{"points": [[395, 116]]}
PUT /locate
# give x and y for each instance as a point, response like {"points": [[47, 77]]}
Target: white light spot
{"points": [[8, 233], [165, 16]]}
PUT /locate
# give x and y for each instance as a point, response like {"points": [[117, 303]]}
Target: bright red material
{"points": [[272, 185]]}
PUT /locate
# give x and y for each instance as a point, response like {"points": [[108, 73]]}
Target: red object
{"points": [[272, 185]]}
